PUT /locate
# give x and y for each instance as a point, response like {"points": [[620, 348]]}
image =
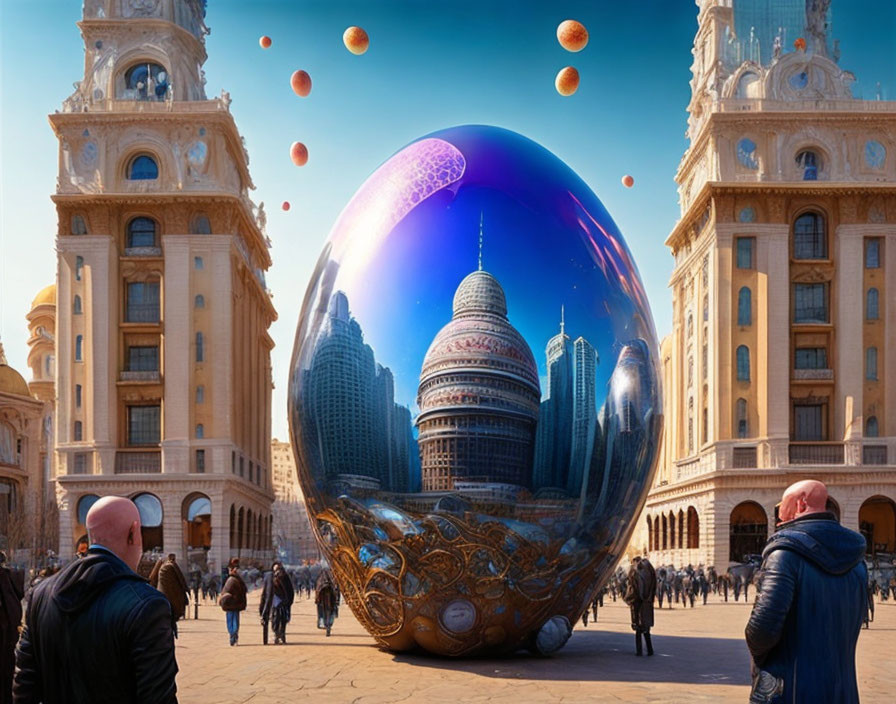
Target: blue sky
{"points": [[430, 65]]}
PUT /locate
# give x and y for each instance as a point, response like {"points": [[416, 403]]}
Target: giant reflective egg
{"points": [[474, 396]]}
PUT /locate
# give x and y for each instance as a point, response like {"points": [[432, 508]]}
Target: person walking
{"points": [[640, 592], [284, 596], [97, 632], [233, 600], [12, 587], [804, 626], [326, 596], [266, 603], [173, 585]]}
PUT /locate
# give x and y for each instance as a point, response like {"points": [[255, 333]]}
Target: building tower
{"points": [[478, 396], [781, 364], [163, 354], [554, 438]]}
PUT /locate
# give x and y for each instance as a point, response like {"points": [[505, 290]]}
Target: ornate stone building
{"points": [[782, 363], [163, 376], [293, 539]]}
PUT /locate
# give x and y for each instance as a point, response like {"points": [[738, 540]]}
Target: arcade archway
{"points": [[748, 530], [877, 522]]}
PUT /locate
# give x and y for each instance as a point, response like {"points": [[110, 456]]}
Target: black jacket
{"points": [[96, 632], [807, 618]]}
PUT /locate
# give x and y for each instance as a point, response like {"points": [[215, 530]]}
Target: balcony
{"points": [[155, 252], [743, 458], [822, 453], [874, 454], [153, 377], [813, 374], [138, 462]]}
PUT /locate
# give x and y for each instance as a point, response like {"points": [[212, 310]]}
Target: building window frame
{"points": [[810, 237], [745, 248]]}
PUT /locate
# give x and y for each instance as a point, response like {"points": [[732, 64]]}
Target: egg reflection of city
{"points": [[470, 494]]}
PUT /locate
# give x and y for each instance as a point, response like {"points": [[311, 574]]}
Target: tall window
{"points": [[743, 426], [144, 425], [78, 431], [200, 394], [200, 352], [143, 359], [744, 307], [143, 168], [871, 429], [76, 305], [199, 301], [143, 302], [690, 326], [198, 263], [809, 163], [871, 304], [690, 425], [690, 371], [745, 246], [811, 358], [79, 266], [200, 430], [871, 364], [77, 395], [142, 232], [705, 307], [808, 422], [809, 237], [200, 461], [705, 357], [200, 225], [79, 226], [810, 303], [79, 345], [743, 363], [872, 252]]}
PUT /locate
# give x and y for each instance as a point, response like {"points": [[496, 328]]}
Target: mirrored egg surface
{"points": [[474, 398]]}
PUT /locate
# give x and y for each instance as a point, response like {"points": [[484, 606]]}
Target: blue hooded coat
{"points": [[807, 618]]}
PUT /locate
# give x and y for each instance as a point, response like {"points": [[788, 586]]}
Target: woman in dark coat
{"points": [[232, 601], [640, 592], [327, 599], [173, 585]]}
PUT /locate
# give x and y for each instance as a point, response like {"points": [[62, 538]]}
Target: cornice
{"points": [[102, 26]]}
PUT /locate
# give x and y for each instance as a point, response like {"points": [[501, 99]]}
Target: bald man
{"points": [[98, 632], [806, 620]]}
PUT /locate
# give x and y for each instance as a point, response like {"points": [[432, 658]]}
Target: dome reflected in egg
{"points": [[474, 396]]}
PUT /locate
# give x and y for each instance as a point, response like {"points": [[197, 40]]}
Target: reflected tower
{"points": [[478, 394]]}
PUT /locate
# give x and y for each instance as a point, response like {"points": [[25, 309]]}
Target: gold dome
{"points": [[11, 382], [46, 295]]}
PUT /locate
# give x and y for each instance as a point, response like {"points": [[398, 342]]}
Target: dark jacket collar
{"points": [[82, 580], [819, 538]]}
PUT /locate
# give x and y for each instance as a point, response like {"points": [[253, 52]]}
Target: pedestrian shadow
{"points": [[601, 656]]}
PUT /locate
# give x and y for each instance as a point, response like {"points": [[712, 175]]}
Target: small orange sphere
{"points": [[265, 42], [567, 81], [628, 181], [572, 35], [299, 154], [356, 40], [286, 205], [301, 83]]}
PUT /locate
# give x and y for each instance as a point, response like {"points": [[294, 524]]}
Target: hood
{"points": [[81, 581], [822, 541]]}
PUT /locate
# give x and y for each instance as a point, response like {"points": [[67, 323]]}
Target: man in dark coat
{"points": [[640, 591], [804, 626], [12, 585], [173, 585], [97, 632], [326, 597]]}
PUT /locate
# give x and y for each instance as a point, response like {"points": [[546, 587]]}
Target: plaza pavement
{"points": [[700, 656]]}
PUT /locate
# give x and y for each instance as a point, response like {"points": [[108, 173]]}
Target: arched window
{"points": [[200, 430], [649, 533], [197, 513], [141, 233], [150, 509], [810, 237], [680, 529], [78, 432], [200, 351], [143, 167], [871, 364], [200, 225], [79, 344], [146, 81], [76, 305], [84, 505], [690, 325], [232, 527], [78, 226], [665, 532], [871, 429], [79, 267], [744, 306], [871, 304], [693, 528], [743, 425], [671, 530], [199, 301], [809, 164], [9, 445], [743, 363], [240, 529]]}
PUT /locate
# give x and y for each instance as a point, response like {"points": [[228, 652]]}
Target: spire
{"points": [[480, 240], [562, 319]]}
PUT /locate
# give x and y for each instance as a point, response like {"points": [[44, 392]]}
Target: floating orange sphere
{"points": [[356, 40], [265, 42], [572, 35], [567, 81], [299, 154], [628, 181], [301, 83], [286, 205]]}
